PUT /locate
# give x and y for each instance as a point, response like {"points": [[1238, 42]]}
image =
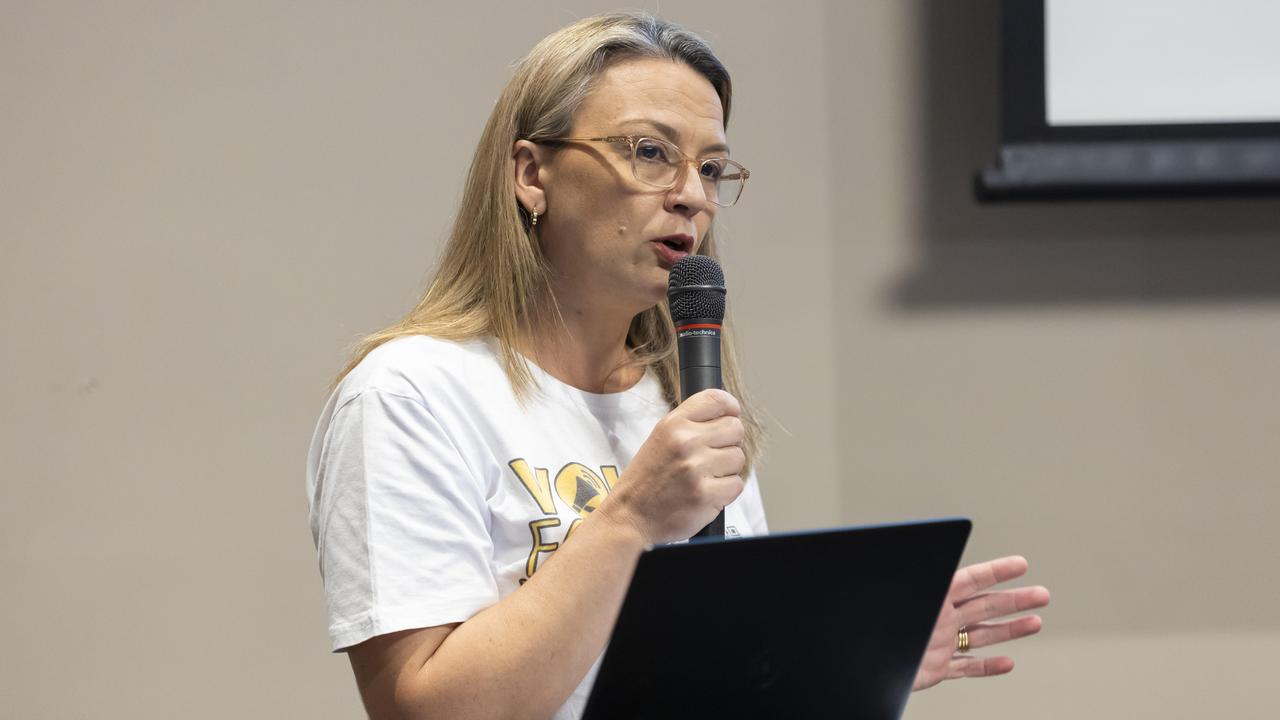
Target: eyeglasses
{"points": [[658, 163]]}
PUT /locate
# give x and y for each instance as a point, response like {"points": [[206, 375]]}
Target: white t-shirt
{"points": [[435, 493]]}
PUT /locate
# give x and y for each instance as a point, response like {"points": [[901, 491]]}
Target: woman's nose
{"points": [[689, 196]]}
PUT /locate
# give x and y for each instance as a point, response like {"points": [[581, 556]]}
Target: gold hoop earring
{"points": [[534, 221]]}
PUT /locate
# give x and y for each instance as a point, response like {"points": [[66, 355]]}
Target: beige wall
{"points": [[202, 204]]}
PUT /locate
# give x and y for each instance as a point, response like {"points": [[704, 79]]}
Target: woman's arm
{"points": [[524, 656], [519, 658]]}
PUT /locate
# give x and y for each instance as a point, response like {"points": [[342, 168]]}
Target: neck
{"points": [[584, 349]]}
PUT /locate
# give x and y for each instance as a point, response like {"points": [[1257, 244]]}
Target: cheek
{"points": [[704, 226]]}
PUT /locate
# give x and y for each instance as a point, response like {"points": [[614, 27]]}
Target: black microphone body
{"points": [[697, 297], [698, 344]]}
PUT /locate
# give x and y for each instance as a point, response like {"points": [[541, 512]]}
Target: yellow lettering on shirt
{"points": [[610, 475], [536, 481], [539, 545], [577, 486]]}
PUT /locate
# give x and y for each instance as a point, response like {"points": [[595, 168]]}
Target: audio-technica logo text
{"points": [[693, 333]]}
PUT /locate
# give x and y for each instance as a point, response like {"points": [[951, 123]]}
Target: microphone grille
{"points": [[688, 300]]}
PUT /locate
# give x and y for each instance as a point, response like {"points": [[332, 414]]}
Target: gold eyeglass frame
{"points": [[633, 142]]}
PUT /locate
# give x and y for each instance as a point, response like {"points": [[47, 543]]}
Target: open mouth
{"points": [[678, 243], [672, 248]]}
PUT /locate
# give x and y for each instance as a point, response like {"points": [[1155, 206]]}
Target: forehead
{"points": [[665, 92]]}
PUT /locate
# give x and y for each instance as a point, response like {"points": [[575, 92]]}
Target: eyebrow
{"points": [[671, 134]]}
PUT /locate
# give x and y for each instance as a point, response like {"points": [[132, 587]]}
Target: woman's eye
{"points": [[712, 170], [651, 151]]}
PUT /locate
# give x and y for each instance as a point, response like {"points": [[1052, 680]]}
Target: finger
{"points": [[726, 462], [1000, 603], [724, 490], [709, 405], [988, 634], [723, 432], [969, 666], [979, 577]]}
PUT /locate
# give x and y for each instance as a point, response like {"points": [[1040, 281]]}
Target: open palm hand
{"points": [[970, 606]]}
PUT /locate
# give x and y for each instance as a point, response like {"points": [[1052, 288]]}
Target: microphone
{"points": [[696, 294]]}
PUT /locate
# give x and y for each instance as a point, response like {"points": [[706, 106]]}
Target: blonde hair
{"points": [[493, 279]]}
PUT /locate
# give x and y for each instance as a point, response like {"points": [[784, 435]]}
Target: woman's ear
{"points": [[529, 157]]}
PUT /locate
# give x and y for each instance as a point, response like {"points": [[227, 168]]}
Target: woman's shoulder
{"points": [[418, 366]]}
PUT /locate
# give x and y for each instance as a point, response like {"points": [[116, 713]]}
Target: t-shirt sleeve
{"points": [[402, 530]]}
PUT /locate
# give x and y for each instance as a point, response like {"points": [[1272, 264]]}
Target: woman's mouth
{"points": [[671, 248]]}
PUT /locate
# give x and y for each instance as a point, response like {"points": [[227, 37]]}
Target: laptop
{"points": [[797, 625]]}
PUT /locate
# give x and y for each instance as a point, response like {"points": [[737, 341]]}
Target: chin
{"points": [[649, 297]]}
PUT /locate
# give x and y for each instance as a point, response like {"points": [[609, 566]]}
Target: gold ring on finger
{"points": [[962, 640]]}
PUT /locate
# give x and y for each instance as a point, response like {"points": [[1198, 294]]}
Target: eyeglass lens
{"points": [[658, 163]]}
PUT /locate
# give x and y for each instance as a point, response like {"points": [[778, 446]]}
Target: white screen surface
{"points": [[1145, 62]]}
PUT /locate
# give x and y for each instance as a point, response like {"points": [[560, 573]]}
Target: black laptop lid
{"points": [[803, 625]]}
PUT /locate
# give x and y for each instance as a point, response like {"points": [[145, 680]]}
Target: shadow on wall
{"points": [[1065, 253]]}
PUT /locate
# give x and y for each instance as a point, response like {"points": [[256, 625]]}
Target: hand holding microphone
{"points": [[690, 466], [696, 294], [687, 470]]}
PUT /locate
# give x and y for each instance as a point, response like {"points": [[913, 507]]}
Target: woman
{"points": [[531, 396]]}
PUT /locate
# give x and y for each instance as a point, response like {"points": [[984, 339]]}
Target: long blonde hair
{"points": [[493, 279]]}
